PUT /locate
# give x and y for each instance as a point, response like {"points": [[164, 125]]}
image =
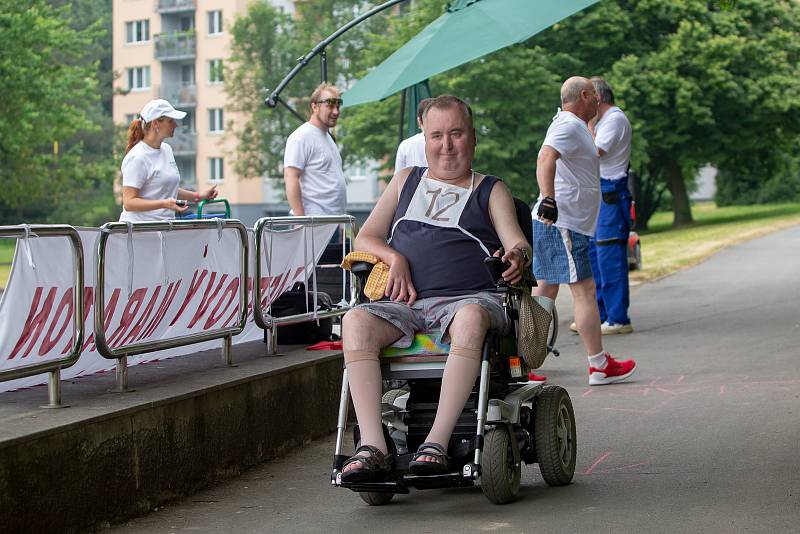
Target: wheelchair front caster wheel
{"points": [[500, 477], [554, 432], [375, 499]]}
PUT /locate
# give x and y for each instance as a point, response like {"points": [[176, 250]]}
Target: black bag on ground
{"points": [[293, 302]]}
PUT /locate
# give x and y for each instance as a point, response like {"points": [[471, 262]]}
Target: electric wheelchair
{"points": [[506, 421]]}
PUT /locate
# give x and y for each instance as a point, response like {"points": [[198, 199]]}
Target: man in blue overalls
{"points": [[609, 249]]}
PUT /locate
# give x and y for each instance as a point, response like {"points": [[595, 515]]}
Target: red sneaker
{"points": [[536, 379], [614, 372]]}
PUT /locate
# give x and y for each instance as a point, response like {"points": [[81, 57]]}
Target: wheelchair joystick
{"points": [[495, 267]]}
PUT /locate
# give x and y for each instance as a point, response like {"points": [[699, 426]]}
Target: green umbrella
{"points": [[468, 30]]}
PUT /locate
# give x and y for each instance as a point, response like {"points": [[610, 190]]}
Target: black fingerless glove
{"points": [[548, 209]]}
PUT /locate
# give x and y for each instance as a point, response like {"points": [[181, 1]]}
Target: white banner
{"points": [[158, 285]]}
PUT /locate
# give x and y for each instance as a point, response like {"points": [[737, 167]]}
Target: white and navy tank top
{"points": [[445, 232]]}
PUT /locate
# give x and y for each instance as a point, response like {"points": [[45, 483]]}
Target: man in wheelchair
{"points": [[433, 228]]}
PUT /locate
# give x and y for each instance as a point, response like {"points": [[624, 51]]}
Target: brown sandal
{"points": [[373, 465], [440, 466]]}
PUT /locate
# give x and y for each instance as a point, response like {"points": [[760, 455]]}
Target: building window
{"points": [[186, 24], [188, 123], [138, 78], [215, 123], [187, 74], [216, 166], [215, 71], [129, 118], [186, 169], [214, 22], [137, 31]]}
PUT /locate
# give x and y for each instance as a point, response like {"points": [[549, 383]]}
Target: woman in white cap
{"points": [[150, 177]]}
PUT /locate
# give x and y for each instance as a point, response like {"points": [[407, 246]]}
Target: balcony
{"points": [[179, 95], [175, 46], [175, 6], [183, 143]]}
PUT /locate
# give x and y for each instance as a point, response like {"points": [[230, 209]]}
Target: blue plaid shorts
{"points": [[560, 256]]}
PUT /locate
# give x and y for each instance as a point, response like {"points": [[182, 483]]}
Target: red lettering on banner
{"points": [[131, 309], [108, 314], [232, 319], [269, 287], [206, 300], [193, 287], [65, 304], [139, 326], [231, 292], [35, 321], [88, 302], [166, 302]]}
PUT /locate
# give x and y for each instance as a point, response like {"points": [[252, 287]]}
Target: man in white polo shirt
{"points": [[568, 174], [608, 250], [312, 165], [411, 151]]}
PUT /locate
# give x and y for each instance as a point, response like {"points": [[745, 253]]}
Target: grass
{"points": [[666, 250], [6, 255]]}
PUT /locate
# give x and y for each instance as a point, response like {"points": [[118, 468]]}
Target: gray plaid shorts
{"points": [[434, 314]]}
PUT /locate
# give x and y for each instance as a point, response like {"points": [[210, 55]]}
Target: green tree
{"points": [[265, 46], [48, 109], [684, 71], [260, 54]]}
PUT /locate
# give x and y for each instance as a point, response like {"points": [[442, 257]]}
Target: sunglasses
{"points": [[332, 102]]}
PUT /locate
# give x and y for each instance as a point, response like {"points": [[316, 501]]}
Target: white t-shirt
{"points": [[411, 153], [613, 136], [154, 173], [323, 189], [577, 182]]}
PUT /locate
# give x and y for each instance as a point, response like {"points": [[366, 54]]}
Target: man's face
{"points": [[326, 113], [449, 143], [591, 100]]}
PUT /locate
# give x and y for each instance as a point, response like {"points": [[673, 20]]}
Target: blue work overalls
{"points": [[609, 251]]}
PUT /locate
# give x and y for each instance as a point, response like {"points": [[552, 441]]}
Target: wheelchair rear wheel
{"points": [[500, 478], [554, 434]]}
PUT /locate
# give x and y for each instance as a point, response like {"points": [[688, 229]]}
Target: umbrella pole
{"points": [[402, 115], [273, 99]]}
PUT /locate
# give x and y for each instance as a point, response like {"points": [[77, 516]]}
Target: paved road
{"points": [[706, 438]]}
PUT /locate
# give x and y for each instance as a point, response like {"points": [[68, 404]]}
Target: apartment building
{"points": [[176, 50]]}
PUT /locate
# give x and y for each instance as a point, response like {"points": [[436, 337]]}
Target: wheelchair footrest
{"points": [[377, 487], [450, 480]]}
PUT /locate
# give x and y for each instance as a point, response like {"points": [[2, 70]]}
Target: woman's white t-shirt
{"points": [[577, 181], [154, 173]]}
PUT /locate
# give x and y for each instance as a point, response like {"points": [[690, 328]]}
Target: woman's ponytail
{"points": [[135, 133]]}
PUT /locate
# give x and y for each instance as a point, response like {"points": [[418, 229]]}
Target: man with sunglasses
{"points": [[312, 165]]}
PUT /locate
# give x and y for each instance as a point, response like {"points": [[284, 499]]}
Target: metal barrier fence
{"points": [[264, 229], [53, 366], [121, 353], [261, 315]]}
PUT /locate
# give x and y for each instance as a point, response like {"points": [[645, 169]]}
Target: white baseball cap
{"points": [[160, 108]]}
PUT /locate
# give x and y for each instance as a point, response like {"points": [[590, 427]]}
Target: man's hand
{"points": [[516, 263], [548, 211], [400, 287]]}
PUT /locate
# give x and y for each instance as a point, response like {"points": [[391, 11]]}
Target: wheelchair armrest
{"points": [[361, 268]]}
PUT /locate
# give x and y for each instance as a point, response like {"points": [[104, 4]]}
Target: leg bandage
{"points": [[460, 373], [351, 356], [466, 352]]}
